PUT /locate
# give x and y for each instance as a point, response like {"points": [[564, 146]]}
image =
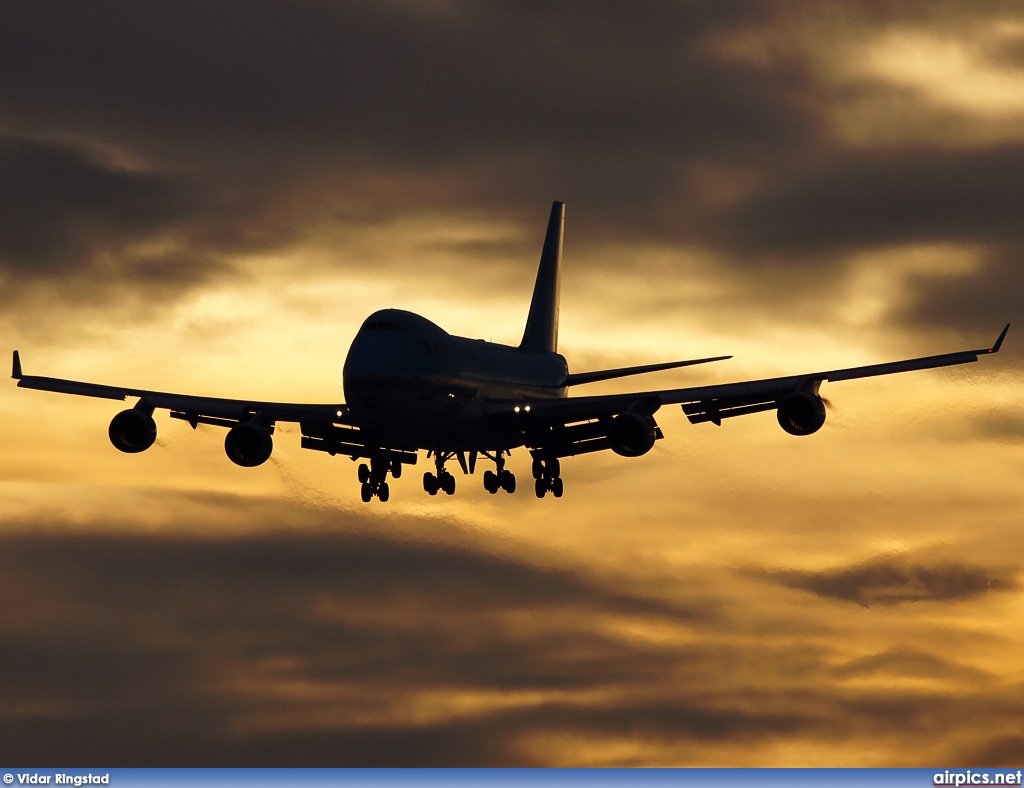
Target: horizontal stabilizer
{"points": [[622, 372]]}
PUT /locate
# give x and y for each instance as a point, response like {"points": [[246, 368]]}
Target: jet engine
{"points": [[801, 413], [132, 431], [631, 434], [248, 444]]}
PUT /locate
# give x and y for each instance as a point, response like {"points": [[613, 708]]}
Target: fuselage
{"points": [[406, 376]]}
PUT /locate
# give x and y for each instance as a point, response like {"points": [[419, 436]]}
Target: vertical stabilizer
{"points": [[541, 335]]}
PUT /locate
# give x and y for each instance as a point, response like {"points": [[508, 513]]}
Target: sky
{"points": [[210, 198]]}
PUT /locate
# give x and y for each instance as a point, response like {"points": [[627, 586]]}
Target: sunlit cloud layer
{"points": [[210, 198]]}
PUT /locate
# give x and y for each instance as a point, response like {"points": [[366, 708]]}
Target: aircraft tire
{"points": [[538, 469], [508, 481], [430, 483], [557, 488], [448, 483], [366, 492], [490, 482], [540, 487], [384, 492], [364, 473]]}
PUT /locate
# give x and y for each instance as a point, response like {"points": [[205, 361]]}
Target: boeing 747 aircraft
{"points": [[411, 386]]}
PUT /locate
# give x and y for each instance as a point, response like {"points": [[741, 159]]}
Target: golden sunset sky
{"points": [[210, 197]]}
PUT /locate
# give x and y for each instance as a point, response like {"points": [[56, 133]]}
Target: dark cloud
{"points": [[879, 199], [88, 228], [160, 650], [496, 106], [978, 302], [1006, 751], [891, 581], [60, 206], [1007, 426], [264, 126], [334, 643], [902, 663], [390, 79]]}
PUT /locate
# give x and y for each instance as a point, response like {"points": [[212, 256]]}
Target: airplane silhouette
{"points": [[410, 386]]}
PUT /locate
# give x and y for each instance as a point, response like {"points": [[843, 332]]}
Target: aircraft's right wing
{"points": [[575, 425]]}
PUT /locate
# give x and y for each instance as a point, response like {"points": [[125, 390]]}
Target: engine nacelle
{"points": [[801, 413], [248, 445], [132, 431], [631, 434]]}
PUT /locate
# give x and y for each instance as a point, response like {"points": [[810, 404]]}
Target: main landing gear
{"points": [[373, 478], [500, 478], [441, 480], [546, 473]]}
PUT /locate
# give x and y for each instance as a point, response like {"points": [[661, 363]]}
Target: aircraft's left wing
{"points": [[623, 423], [191, 408]]}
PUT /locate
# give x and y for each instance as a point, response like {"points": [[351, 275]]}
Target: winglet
{"points": [[16, 371], [999, 342]]}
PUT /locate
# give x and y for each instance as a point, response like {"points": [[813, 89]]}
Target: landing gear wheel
{"points": [[430, 483], [396, 469], [383, 492], [540, 487], [507, 481], [557, 487], [366, 492], [447, 483], [538, 469], [364, 474], [490, 482]]}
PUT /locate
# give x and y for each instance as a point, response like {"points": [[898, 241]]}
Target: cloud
{"points": [[263, 649], [61, 204], [891, 581], [682, 125], [77, 226], [885, 198], [339, 644], [909, 662], [998, 751], [248, 179]]}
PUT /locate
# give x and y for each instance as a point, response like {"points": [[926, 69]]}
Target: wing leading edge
{"points": [[194, 409]]}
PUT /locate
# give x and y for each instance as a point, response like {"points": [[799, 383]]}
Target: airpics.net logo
{"points": [[974, 777]]}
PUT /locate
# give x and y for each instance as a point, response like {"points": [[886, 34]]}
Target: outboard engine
{"points": [[801, 413], [631, 434], [132, 431], [248, 444]]}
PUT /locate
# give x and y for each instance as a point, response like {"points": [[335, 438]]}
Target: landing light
{"points": [[339, 414], [516, 408]]}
